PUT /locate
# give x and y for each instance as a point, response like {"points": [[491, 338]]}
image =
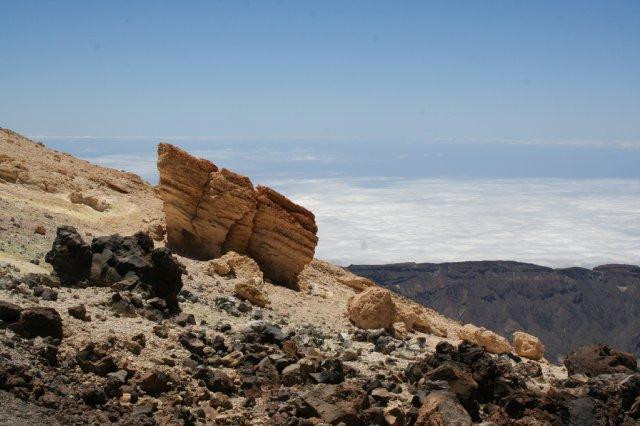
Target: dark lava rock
{"points": [[192, 343], [49, 354], [93, 395], [293, 374], [128, 263], [385, 344], [600, 359], [469, 372], [215, 380], [266, 371], [460, 381], [39, 321], [183, 319], [529, 369], [9, 312], [45, 280], [152, 271], [70, 256], [120, 376], [78, 311], [330, 371], [45, 293], [154, 383], [123, 305], [94, 360], [229, 304], [159, 304], [266, 333], [490, 389]]}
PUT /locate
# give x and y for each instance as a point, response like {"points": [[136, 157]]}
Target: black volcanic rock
{"points": [[566, 308], [600, 359], [154, 270], [39, 321], [130, 261], [9, 312], [70, 256]]}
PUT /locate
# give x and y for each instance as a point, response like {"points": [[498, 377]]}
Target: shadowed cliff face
{"points": [[566, 308]]}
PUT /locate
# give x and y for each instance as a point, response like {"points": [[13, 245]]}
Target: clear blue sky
{"points": [[387, 71]]}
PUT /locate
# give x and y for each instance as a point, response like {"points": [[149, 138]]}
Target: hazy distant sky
{"points": [[386, 72], [375, 206], [419, 130]]}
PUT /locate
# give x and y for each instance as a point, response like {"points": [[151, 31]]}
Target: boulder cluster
{"points": [[465, 385], [127, 264], [211, 211], [247, 276], [295, 375], [375, 307]]}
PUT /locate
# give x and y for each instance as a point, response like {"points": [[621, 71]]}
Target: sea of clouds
{"points": [[553, 222], [412, 215]]}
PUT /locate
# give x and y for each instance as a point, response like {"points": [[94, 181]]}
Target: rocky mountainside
{"points": [[102, 323], [565, 308]]}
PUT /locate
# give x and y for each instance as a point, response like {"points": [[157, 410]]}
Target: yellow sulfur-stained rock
{"points": [[249, 291], [406, 314], [92, 201], [373, 308], [492, 342], [236, 265], [355, 282], [528, 346]]}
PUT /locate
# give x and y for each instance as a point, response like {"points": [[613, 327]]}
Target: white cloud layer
{"points": [[553, 222]]}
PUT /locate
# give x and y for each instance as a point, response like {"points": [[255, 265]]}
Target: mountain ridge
{"points": [[565, 307]]}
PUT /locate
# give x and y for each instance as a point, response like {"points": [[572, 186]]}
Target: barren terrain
{"points": [[246, 344]]}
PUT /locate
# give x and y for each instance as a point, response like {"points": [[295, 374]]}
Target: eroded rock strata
{"points": [[211, 211]]}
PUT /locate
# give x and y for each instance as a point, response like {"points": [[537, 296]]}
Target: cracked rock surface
{"points": [[210, 211]]}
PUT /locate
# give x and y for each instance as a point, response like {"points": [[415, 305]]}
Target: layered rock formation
{"points": [[211, 211]]}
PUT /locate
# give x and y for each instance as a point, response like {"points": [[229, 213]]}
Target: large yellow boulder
{"points": [[492, 342], [528, 346], [373, 308]]}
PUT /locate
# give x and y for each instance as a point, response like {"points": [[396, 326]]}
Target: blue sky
{"points": [[544, 72], [426, 131]]}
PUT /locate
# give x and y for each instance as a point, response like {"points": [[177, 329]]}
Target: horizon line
{"points": [[591, 143]]}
